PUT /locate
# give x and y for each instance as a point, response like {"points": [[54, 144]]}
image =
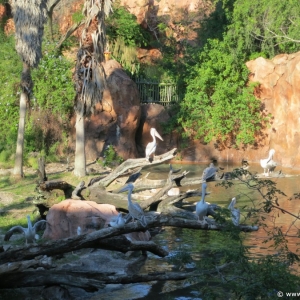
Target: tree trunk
{"points": [[80, 162], [18, 169]]}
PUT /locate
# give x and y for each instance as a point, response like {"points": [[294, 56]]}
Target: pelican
{"points": [[268, 164], [151, 147], [235, 212], [134, 209], [117, 221], [30, 232], [202, 206], [209, 172]]}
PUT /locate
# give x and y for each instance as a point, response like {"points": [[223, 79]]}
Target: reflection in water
{"points": [[174, 238], [246, 197]]}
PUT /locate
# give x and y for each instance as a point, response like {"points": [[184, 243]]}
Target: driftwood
{"points": [[93, 280], [54, 184], [120, 201], [89, 240], [44, 262], [135, 163], [76, 193]]}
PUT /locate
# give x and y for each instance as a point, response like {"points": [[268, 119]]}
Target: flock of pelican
{"points": [[134, 209]]}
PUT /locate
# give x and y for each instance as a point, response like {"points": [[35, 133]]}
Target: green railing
{"points": [[152, 91]]}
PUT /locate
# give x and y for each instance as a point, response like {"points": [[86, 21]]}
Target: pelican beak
{"points": [[158, 135]]}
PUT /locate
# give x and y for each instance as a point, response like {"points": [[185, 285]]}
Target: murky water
{"points": [[174, 239]]}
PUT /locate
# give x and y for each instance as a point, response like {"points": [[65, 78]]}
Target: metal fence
{"points": [[152, 91]]}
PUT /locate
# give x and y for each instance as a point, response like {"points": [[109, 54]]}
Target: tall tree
{"points": [[89, 73], [29, 18]]}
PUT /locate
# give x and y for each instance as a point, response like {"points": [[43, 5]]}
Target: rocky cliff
{"points": [[121, 120]]}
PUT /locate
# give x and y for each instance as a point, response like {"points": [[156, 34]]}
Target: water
{"points": [[175, 239]]}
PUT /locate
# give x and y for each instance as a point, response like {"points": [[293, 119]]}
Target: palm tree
{"points": [[89, 74], [29, 18]]}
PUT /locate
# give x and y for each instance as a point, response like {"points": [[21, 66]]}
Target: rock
{"points": [[153, 115], [279, 91], [55, 292], [71, 217], [116, 120], [175, 13], [174, 192], [65, 217]]}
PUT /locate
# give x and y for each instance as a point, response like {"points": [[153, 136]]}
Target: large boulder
{"points": [[279, 90], [64, 218], [154, 115], [116, 120]]}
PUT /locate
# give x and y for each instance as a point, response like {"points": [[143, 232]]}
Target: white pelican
{"points": [[202, 206], [209, 172], [151, 147], [268, 164], [30, 232], [134, 209], [117, 221], [235, 212]]}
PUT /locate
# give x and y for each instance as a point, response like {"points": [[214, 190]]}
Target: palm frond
{"points": [[29, 18], [90, 70]]}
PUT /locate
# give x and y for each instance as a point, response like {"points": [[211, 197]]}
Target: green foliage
{"points": [[110, 157], [53, 86], [122, 24], [218, 103], [77, 16], [264, 26], [11, 68], [33, 162], [125, 55]]}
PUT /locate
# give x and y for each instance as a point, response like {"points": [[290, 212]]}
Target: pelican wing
{"points": [[15, 229], [202, 206], [150, 148], [235, 216], [39, 225], [209, 172]]}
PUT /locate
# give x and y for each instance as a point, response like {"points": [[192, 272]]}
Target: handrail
{"points": [[153, 91]]}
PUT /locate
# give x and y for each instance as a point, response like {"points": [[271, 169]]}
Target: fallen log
{"points": [[88, 240], [133, 163], [31, 278], [76, 193], [19, 266], [54, 184], [91, 280], [122, 244]]}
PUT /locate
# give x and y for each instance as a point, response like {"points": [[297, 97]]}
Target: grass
{"points": [[17, 195]]}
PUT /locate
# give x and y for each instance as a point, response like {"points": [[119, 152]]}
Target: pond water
{"points": [[174, 239]]}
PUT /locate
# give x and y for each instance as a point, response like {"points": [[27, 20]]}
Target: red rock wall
{"points": [[279, 90]]}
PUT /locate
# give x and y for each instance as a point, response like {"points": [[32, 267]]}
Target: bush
{"points": [[110, 157], [11, 67], [122, 24]]}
